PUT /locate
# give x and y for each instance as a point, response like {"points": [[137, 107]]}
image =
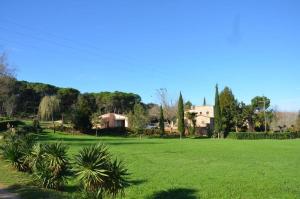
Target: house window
{"points": [[119, 123], [207, 113], [200, 113]]}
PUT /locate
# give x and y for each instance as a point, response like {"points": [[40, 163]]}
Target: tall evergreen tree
{"points": [[180, 116], [217, 114], [161, 121], [228, 106], [204, 102]]}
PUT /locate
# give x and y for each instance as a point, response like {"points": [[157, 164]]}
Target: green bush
{"points": [[98, 174], [117, 131], [16, 148], [263, 135], [14, 123], [50, 165], [151, 132]]}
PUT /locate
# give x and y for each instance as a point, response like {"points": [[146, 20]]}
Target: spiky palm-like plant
{"points": [[92, 166], [35, 156], [99, 175], [51, 165], [116, 180], [16, 148]]}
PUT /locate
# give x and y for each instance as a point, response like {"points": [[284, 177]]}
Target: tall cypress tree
{"points": [[217, 113], [161, 121], [180, 116], [204, 102]]}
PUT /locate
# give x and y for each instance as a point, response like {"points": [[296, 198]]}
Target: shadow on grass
{"points": [[89, 141], [88, 138], [177, 193], [136, 182], [29, 191]]}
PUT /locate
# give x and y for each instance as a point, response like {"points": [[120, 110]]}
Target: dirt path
{"points": [[4, 194]]}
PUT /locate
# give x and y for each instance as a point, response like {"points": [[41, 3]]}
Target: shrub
{"points": [[16, 148], [50, 164], [152, 132], [36, 125], [117, 131], [81, 121], [14, 123], [98, 175], [263, 135]]}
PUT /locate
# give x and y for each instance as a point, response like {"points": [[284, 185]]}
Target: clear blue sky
{"points": [[139, 46]]}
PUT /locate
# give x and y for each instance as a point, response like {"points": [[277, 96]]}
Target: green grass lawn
{"points": [[193, 168]]}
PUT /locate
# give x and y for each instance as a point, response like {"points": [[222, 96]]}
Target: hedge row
{"points": [[263, 135], [15, 123], [122, 131]]}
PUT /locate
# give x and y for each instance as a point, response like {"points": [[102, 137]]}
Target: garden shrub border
{"points": [[15, 123], [263, 135]]}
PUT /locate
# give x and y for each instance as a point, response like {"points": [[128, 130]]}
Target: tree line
{"points": [[22, 98], [26, 99]]}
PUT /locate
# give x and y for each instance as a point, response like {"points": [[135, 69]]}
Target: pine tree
{"points": [[204, 102], [180, 116], [217, 114], [161, 121]]}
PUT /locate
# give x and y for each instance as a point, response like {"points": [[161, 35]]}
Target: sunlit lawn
{"points": [[194, 168]]}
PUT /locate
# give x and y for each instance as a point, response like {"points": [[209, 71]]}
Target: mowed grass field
{"points": [[193, 168]]}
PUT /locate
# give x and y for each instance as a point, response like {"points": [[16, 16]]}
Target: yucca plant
{"points": [[91, 167], [51, 166], [11, 152], [117, 178], [97, 174], [35, 156], [16, 148]]}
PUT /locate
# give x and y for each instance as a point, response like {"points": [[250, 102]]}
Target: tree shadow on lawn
{"points": [[177, 193], [46, 137], [108, 144], [30, 191], [136, 182]]}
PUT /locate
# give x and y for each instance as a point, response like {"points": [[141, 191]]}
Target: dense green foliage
{"points": [[30, 96], [16, 148], [25, 97], [191, 116], [118, 102], [161, 121], [228, 106], [217, 114], [50, 165], [263, 135], [12, 123], [67, 97], [98, 174], [82, 112], [138, 119], [237, 116], [180, 116]]}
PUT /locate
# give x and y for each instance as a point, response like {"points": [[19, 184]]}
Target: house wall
{"points": [[111, 120], [205, 115]]}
